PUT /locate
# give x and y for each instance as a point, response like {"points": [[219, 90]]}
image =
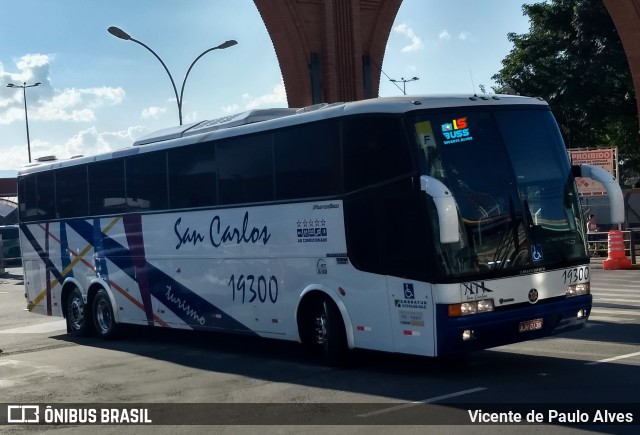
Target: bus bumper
{"points": [[485, 330]]}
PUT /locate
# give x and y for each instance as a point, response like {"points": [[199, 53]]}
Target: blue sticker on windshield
{"points": [[456, 131], [536, 252]]}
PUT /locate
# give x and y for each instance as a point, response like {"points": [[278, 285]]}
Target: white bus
{"points": [[420, 225]]}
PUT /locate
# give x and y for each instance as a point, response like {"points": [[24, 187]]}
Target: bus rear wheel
{"points": [[78, 315], [103, 319], [329, 335]]}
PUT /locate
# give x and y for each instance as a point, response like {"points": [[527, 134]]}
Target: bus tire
{"points": [[103, 318], [78, 315], [329, 333]]}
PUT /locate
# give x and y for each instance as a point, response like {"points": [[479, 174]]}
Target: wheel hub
{"points": [[103, 316], [76, 313], [321, 329]]}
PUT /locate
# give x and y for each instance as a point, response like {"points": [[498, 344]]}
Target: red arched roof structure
{"points": [[329, 50], [626, 17]]}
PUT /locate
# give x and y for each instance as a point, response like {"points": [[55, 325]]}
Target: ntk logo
{"points": [[455, 129], [475, 290]]}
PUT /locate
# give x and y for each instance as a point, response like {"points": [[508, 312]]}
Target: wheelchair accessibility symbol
{"points": [[536, 252], [408, 291]]}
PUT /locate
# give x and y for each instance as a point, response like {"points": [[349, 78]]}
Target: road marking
{"points": [[632, 301], [431, 400], [609, 319], [626, 312], [40, 328], [615, 358]]}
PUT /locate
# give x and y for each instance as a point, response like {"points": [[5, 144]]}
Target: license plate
{"points": [[530, 325]]}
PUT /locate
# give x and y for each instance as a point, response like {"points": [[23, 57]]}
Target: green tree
{"points": [[573, 58]]}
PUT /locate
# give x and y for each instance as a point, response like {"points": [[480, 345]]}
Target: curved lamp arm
{"points": [[222, 46]]}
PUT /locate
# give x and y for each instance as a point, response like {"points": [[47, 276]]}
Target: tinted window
{"points": [[192, 176], [27, 198], [46, 198], [146, 181], [37, 196], [375, 150], [71, 192], [307, 160], [533, 136], [245, 169], [106, 187]]}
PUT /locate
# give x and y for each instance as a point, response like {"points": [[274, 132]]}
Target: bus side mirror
{"points": [[616, 198], [445, 206]]}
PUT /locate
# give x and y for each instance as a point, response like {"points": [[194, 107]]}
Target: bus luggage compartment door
{"points": [[34, 285], [411, 304]]}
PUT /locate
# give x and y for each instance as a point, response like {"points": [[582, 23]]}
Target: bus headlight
{"points": [[578, 289], [467, 308]]}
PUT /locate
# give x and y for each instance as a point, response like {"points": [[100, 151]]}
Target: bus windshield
{"points": [[511, 179]]}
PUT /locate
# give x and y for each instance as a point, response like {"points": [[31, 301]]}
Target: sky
{"points": [[100, 93]]}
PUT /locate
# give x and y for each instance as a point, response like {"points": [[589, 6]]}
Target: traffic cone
{"points": [[616, 258]]}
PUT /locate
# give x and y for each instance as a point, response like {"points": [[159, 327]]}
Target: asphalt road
{"points": [[275, 385]]}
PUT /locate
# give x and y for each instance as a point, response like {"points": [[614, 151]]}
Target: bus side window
{"points": [[71, 192], [192, 176], [146, 181], [307, 161], [27, 194], [375, 150], [46, 199], [245, 169], [39, 197], [382, 215], [106, 187]]}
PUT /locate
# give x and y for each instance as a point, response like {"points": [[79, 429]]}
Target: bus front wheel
{"points": [[78, 314], [103, 319], [329, 333]]}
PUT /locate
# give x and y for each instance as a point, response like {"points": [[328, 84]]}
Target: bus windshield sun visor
{"points": [[616, 199], [445, 206]]}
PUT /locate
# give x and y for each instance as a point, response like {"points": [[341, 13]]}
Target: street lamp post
{"points": [[404, 83], [119, 33], [24, 87]]}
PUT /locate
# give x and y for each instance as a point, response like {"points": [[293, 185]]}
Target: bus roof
{"points": [[380, 105], [281, 117], [249, 117]]}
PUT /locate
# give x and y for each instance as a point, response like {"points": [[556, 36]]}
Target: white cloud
{"points": [[14, 157], [103, 95], [416, 42], [75, 105], [277, 97], [31, 68], [85, 142], [32, 61], [444, 35], [88, 142], [49, 104], [153, 112], [231, 108], [463, 36]]}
